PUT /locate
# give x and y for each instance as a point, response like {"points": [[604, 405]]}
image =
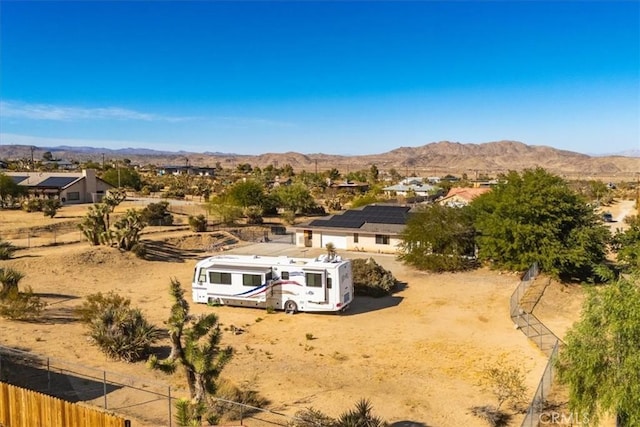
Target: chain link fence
{"points": [[522, 302], [145, 401]]}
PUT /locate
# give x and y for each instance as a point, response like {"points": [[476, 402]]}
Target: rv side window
{"points": [[251, 279], [328, 282], [314, 280], [284, 275], [202, 276], [218, 278]]}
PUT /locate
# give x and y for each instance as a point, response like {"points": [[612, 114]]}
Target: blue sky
{"points": [[334, 77]]}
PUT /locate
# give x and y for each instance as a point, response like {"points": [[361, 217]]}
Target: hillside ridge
{"points": [[436, 157]]}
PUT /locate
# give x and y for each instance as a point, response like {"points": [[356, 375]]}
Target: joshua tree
{"points": [[195, 344]]}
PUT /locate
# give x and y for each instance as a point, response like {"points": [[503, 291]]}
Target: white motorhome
{"points": [[322, 284]]}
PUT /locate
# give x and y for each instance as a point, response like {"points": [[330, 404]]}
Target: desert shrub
{"points": [[32, 204], [506, 381], [243, 395], [17, 305], [96, 304], [157, 214], [371, 279], [50, 207], [254, 215], [174, 194], [123, 333], [198, 223], [6, 249], [311, 417], [140, 250], [492, 415]]}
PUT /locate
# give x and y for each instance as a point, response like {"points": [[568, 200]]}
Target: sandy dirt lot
{"points": [[416, 355]]}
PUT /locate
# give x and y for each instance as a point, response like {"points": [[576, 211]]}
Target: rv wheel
{"points": [[290, 307]]}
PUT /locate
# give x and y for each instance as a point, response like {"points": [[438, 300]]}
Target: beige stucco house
{"points": [[374, 228], [69, 187]]}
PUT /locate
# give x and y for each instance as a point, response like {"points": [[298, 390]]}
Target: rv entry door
{"points": [[315, 286]]}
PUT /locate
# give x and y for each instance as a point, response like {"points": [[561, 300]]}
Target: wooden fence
{"points": [[20, 407]]}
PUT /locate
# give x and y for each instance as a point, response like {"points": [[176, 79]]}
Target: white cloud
{"points": [[11, 109]]}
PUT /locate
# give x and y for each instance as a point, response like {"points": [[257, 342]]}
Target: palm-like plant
{"points": [[123, 333], [9, 279], [6, 249], [360, 416], [331, 250]]}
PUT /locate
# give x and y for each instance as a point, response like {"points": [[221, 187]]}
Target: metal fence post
{"points": [[170, 415], [104, 382]]}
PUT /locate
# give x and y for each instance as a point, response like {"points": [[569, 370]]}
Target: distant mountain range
{"points": [[437, 158]]}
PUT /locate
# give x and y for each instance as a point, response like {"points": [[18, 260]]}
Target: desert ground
{"points": [[416, 355]]}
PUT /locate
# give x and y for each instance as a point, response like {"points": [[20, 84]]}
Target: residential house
{"points": [[350, 186], [185, 170], [69, 187], [373, 228], [462, 196]]}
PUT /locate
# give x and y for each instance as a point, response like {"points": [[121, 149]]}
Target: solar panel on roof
{"points": [[57, 181], [18, 179]]}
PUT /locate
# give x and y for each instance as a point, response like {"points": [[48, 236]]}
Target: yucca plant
{"points": [[360, 416], [9, 279], [189, 414], [123, 333], [6, 249]]}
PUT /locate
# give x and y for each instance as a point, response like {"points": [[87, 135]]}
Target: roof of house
{"points": [[46, 180], [466, 193], [371, 218], [418, 188]]}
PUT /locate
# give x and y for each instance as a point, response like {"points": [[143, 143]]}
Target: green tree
{"points": [[157, 214], [10, 192], [536, 217], [224, 209], [600, 362], [195, 345], [123, 177], [439, 238], [374, 174], [247, 193], [626, 243], [295, 197]]}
